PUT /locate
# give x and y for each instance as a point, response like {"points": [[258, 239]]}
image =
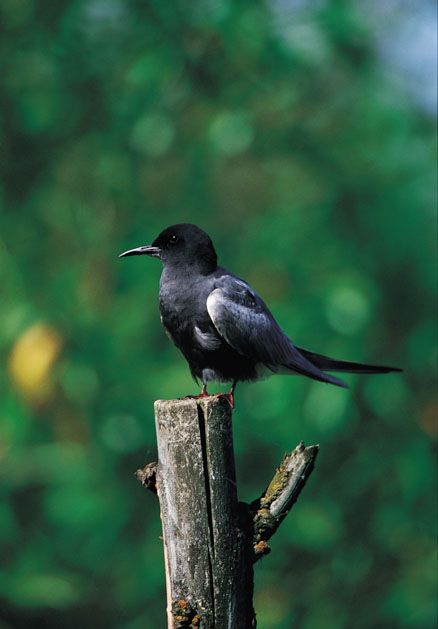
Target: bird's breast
{"points": [[185, 318]]}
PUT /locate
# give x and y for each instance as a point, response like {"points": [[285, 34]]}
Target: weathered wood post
{"points": [[211, 541]]}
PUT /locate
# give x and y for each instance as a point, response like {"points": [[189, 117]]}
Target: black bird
{"points": [[223, 328]]}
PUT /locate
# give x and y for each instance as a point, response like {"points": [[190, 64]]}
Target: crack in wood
{"points": [[206, 470]]}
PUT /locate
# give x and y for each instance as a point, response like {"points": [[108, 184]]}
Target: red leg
{"points": [[204, 393], [230, 395]]}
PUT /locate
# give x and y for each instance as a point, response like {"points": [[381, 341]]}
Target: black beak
{"points": [[149, 250]]}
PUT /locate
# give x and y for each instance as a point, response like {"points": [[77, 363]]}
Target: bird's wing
{"points": [[244, 321]]}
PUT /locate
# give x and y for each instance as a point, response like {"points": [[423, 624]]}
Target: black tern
{"points": [[223, 328]]}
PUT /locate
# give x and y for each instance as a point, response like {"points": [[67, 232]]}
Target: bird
{"points": [[221, 325]]}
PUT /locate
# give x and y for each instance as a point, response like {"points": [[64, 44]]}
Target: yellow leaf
{"points": [[31, 360]]}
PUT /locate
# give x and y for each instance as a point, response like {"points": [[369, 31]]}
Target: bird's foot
{"points": [[195, 397], [204, 393], [228, 396]]}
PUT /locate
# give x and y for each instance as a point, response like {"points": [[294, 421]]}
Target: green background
{"points": [[281, 131]]}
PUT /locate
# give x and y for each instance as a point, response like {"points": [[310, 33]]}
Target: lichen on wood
{"points": [[282, 492]]}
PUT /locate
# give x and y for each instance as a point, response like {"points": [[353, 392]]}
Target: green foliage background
{"points": [[313, 172]]}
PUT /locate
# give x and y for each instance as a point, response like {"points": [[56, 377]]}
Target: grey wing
{"points": [[244, 321]]}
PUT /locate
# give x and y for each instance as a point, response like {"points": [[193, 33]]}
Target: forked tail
{"points": [[325, 363]]}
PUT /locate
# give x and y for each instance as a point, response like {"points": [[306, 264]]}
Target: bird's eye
{"points": [[173, 239]]}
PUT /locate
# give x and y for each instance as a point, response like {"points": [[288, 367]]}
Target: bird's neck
{"points": [[187, 272]]}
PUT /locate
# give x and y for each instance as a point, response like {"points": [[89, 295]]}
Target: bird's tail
{"points": [[325, 363]]}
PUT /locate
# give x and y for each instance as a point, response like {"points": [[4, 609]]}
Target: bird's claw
{"points": [[195, 397], [201, 395], [229, 398]]}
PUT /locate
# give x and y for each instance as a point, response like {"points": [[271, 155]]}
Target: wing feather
{"points": [[244, 321]]}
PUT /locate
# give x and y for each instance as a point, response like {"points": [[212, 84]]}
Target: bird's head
{"points": [[182, 246]]}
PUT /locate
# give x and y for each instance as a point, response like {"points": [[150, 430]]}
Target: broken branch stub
{"points": [[281, 494]]}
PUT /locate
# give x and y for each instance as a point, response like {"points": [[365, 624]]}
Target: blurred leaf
{"points": [[31, 360]]}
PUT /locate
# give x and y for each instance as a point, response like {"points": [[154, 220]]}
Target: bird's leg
{"points": [[204, 393], [230, 395]]}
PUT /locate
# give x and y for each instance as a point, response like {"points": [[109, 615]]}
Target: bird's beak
{"points": [[149, 250]]}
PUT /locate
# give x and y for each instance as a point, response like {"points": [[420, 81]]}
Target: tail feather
{"points": [[314, 374], [325, 363], [299, 364]]}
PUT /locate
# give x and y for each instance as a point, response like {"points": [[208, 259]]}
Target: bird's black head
{"points": [[182, 246]]}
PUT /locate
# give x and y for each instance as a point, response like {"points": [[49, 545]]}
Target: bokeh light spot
{"points": [[122, 433], [44, 590], [317, 526], [152, 135], [80, 383], [32, 358], [325, 406], [387, 395], [347, 309], [231, 133]]}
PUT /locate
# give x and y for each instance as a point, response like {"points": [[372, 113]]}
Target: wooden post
{"points": [[211, 541]]}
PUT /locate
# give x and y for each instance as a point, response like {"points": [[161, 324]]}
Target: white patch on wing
{"points": [[207, 340], [214, 300], [215, 304]]}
